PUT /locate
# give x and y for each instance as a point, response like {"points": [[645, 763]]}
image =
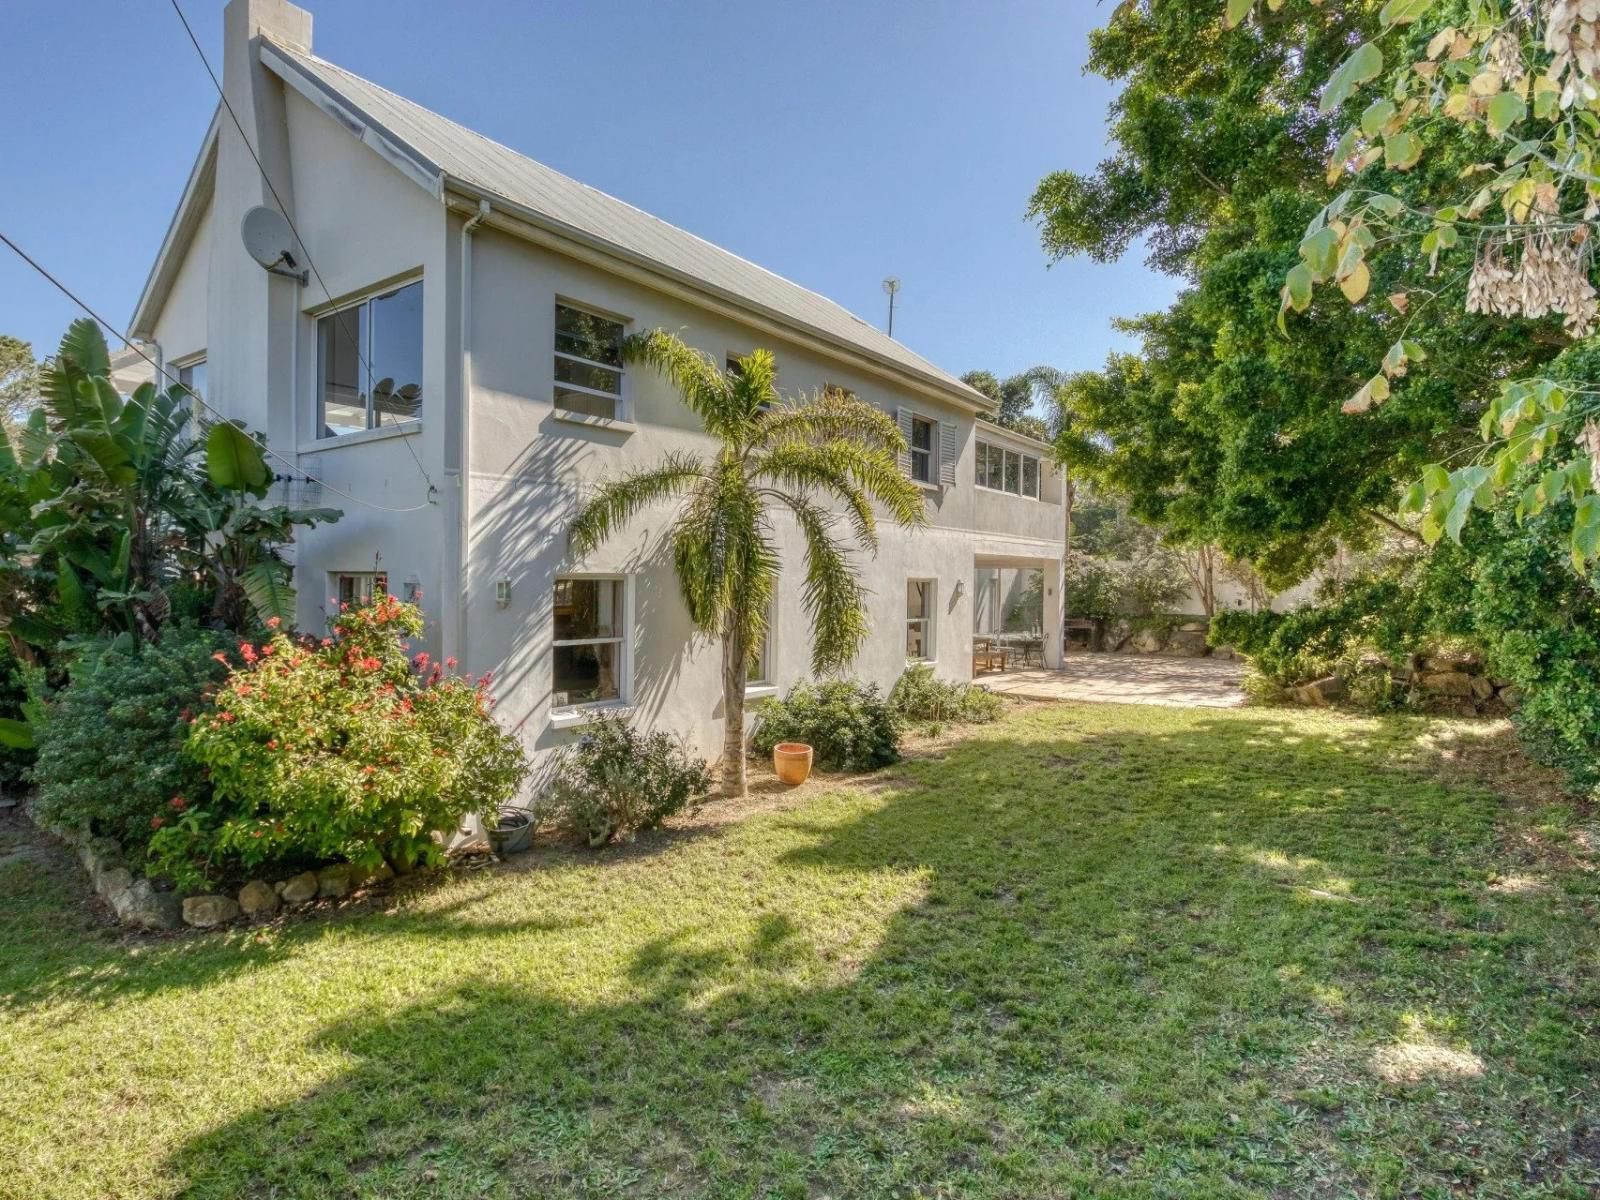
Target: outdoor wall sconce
{"points": [[502, 593]]}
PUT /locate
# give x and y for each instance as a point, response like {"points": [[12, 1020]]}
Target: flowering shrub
{"points": [[617, 780], [339, 749]]}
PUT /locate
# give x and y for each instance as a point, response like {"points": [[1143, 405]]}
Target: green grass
{"points": [[1090, 951]]}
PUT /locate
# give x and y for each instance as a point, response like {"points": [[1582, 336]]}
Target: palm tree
{"points": [[807, 458]]}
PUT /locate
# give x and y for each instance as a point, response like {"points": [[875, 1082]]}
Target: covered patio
{"points": [[1016, 615], [1128, 679]]}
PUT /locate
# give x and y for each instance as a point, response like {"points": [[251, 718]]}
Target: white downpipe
{"points": [[464, 477]]}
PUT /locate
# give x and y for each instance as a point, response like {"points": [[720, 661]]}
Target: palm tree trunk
{"points": [[734, 783]]}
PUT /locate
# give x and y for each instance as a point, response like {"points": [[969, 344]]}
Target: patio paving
{"points": [[1129, 679]]}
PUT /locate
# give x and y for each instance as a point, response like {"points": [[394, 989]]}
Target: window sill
{"points": [[568, 718], [382, 434], [928, 487], [615, 424], [760, 691], [983, 487]]}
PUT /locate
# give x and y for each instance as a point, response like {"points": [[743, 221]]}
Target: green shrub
{"points": [[14, 761], [111, 749], [918, 695], [1093, 587], [617, 780], [849, 727], [343, 749], [1246, 632]]}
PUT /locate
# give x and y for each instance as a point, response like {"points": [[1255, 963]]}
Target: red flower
{"points": [[269, 648], [186, 715], [228, 716], [272, 743], [156, 822], [247, 652], [450, 663], [274, 622], [421, 661], [369, 769], [179, 803], [221, 657], [326, 642]]}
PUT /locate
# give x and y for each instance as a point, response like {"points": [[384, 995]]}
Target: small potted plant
{"points": [[512, 832], [791, 761]]}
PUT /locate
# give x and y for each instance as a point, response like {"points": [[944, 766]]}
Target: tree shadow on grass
{"points": [[1232, 957]]}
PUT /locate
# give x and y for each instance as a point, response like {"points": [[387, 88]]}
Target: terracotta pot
{"points": [[792, 762]]}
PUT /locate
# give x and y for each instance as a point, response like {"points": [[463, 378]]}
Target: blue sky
{"points": [[833, 142]]}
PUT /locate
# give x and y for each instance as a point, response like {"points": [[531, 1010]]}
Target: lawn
{"points": [[1089, 951]]}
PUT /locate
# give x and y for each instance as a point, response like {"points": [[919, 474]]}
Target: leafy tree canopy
{"points": [[1221, 429]]}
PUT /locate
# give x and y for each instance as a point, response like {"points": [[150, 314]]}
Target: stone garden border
{"points": [[139, 904]]}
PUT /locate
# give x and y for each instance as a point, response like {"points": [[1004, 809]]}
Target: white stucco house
{"points": [[448, 373]]}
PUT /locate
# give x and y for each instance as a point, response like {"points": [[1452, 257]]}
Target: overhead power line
{"points": [[189, 391]]}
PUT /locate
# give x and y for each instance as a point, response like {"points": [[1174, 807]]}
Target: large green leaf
{"points": [[16, 734], [36, 631], [1361, 67], [234, 460], [266, 585]]}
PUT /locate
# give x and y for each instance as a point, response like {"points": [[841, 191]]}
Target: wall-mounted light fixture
{"points": [[502, 593]]}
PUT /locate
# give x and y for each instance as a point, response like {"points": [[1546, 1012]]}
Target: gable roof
{"points": [[441, 155]]}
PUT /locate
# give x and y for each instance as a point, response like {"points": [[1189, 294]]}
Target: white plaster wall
{"points": [[181, 328]]}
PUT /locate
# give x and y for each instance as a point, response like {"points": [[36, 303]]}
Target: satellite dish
{"points": [[271, 242]]}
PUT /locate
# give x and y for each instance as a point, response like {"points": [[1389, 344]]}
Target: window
{"points": [[758, 672], [1003, 470], [588, 643], [359, 588], [192, 377], [919, 619], [369, 363], [588, 363], [923, 434]]}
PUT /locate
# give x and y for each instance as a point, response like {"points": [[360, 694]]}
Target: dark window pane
{"points": [[339, 370], [588, 608], [1030, 477], [585, 674], [981, 464], [922, 435], [396, 355], [583, 402], [601, 379], [1013, 482], [996, 468], [919, 598], [588, 336]]}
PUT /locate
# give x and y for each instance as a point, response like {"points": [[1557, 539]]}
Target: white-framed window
{"points": [[192, 377], [589, 640], [924, 437], [588, 362], [358, 588], [919, 619], [369, 362], [1001, 469], [758, 672]]}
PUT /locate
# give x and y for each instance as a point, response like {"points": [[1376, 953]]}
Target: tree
{"points": [[19, 383], [1509, 237], [1018, 397], [769, 456], [1218, 428]]}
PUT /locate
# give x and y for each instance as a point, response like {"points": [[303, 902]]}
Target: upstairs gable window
{"points": [[923, 432], [369, 363], [1001, 469], [588, 362]]}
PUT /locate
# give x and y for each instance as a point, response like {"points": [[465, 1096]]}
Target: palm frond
{"points": [[832, 596], [832, 416], [697, 379], [755, 384], [617, 501], [815, 469]]}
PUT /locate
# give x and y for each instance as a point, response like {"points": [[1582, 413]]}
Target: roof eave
{"points": [[197, 192]]}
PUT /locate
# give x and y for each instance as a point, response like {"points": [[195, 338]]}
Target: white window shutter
{"points": [[902, 417], [949, 449]]}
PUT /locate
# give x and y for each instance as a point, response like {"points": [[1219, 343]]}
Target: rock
{"points": [[112, 882], [1225, 653], [1190, 643], [1322, 692], [1193, 627], [337, 880], [258, 899], [207, 912], [382, 875], [302, 889], [1482, 689], [1511, 697], [1147, 641], [1456, 684], [142, 907], [1451, 664]]}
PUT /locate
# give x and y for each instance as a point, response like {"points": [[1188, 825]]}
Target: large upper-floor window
{"points": [[1004, 470], [589, 640], [369, 362], [588, 362]]}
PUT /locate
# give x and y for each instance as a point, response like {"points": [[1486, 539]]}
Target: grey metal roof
{"points": [[433, 146]]}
